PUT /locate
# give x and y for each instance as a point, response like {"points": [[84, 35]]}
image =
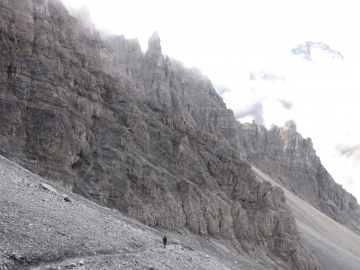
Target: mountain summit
{"points": [[306, 49]]}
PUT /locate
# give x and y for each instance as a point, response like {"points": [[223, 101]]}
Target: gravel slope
{"points": [[39, 229], [333, 245], [43, 226]]}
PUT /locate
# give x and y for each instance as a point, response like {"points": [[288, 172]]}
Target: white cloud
{"points": [[324, 104]]}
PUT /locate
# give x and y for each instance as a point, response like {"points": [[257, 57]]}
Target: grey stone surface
{"points": [[48, 187], [39, 230], [291, 160], [139, 133]]}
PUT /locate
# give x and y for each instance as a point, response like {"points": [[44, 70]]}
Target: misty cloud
{"points": [[254, 113], [263, 75], [349, 151], [73, 6], [286, 104], [319, 96], [349, 181], [220, 89]]}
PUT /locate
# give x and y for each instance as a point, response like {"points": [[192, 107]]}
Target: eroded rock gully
{"points": [[137, 132]]}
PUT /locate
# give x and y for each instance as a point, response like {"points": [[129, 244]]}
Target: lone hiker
{"points": [[164, 240]]}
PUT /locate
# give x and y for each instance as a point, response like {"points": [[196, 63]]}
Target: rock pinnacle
{"points": [[154, 42]]}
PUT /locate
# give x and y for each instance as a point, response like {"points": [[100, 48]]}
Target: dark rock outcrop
{"points": [[292, 161]]}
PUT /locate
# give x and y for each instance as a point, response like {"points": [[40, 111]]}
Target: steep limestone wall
{"points": [[136, 132], [292, 161]]}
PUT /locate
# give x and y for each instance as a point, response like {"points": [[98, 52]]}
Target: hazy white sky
{"points": [[227, 39]]}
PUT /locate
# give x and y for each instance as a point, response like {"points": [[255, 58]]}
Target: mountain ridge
{"points": [[306, 48], [292, 161], [139, 133]]}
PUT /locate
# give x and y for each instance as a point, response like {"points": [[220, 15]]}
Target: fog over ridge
{"points": [[318, 95], [234, 41]]}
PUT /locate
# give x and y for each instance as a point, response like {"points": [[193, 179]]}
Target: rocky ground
{"points": [[44, 226], [333, 245]]}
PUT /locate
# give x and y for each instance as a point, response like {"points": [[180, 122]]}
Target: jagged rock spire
{"points": [[290, 125], [154, 42]]}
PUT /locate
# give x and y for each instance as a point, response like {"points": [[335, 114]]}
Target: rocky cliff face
{"points": [[291, 160], [135, 132]]}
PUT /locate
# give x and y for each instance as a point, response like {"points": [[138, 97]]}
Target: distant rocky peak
{"points": [[154, 42], [290, 125], [306, 48]]}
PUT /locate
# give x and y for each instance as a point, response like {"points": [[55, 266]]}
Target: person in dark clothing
{"points": [[164, 240]]}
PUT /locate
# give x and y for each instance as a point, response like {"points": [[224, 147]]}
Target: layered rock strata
{"points": [[291, 160], [133, 131]]}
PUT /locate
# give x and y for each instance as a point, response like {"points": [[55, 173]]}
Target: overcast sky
{"points": [[228, 40]]}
